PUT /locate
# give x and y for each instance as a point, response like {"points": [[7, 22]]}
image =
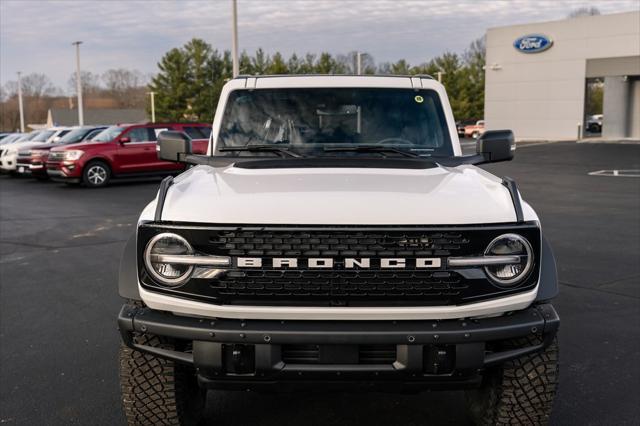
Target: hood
{"points": [[340, 196], [21, 146], [78, 145]]}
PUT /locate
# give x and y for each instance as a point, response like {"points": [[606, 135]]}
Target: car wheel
{"points": [[96, 174], [519, 392], [156, 391]]}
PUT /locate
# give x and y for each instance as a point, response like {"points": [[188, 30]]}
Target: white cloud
{"points": [[36, 36]]}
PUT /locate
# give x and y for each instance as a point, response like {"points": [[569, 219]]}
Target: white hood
{"points": [[340, 196]]}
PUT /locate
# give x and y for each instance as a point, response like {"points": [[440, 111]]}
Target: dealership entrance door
{"points": [[612, 98]]}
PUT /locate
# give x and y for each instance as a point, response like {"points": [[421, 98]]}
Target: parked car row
{"points": [[94, 155]]}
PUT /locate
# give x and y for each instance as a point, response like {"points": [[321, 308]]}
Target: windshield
{"points": [[315, 121], [108, 134], [74, 136], [43, 136]]}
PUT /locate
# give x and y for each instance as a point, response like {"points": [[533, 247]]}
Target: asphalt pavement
{"points": [[59, 254]]}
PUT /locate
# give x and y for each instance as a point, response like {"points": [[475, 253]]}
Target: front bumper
{"points": [[59, 172], [239, 354]]}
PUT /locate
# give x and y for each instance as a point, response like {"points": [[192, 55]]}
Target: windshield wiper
{"points": [[279, 150], [372, 148]]}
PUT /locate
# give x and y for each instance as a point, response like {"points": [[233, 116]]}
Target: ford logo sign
{"points": [[533, 43]]}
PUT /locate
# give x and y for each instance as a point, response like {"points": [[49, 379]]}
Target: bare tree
{"points": [[128, 87], [90, 83], [584, 11], [38, 86]]}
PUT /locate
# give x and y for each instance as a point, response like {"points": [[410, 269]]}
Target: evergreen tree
{"points": [[201, 81], [171, 87]]}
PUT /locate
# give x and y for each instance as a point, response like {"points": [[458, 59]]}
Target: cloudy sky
{"points": [[36, 36]]}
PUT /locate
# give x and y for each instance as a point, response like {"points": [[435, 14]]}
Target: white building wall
{"points": [[541, 95]]}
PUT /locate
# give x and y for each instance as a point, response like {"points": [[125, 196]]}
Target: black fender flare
{"points": [[548, 288], [128, 273]]}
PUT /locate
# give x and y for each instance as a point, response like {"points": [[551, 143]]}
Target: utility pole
{"points": [[234, 40], [79, 84], [153, 106], [20, 102], [358, 63]]}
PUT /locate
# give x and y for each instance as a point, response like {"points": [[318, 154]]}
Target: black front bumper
{"points": [[236, 354]]}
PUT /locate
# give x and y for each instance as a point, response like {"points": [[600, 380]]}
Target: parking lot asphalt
{"points": [[59, 254]]}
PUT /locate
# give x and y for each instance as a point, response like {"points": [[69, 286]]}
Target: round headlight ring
{"points": [[162, 279], [527, 267]]}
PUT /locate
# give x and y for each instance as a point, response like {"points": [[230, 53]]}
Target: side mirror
{"points": [[496, 145], [173, 146], [124, 139]]}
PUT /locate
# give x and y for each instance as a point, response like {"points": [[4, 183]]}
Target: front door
{"points": [[137, 152]]}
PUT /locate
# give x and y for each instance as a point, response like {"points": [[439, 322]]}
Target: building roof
{"points": [[69, 117]]}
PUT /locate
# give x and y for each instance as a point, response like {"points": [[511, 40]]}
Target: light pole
{"points": [[234, 39], [79, 84], [20, 102], [358, 63], [153, 106], [440, 76]]}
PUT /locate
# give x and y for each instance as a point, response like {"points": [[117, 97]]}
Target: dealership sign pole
{"points": [[20, 102], [79, 84]]}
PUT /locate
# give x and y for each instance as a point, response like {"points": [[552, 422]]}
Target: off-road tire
{"points": [[95, 170], [157, 391], [521, 391]]}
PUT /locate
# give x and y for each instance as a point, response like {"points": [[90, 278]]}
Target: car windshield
{"points": [[317, 121], [43, 136], [108, 134], [75, 135]]}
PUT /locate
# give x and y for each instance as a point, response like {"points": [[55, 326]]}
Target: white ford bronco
{"points": [[334, 236]]}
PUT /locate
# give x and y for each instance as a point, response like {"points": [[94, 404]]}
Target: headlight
{"points": [[509, 245], [73, 154], [161, 247]]}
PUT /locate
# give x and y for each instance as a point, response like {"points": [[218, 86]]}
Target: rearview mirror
{"points": [[124, 139], [173, 146], [496, 145]]}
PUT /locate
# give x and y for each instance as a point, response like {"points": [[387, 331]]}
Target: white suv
{"points": [[9, 153], [334, 236]]}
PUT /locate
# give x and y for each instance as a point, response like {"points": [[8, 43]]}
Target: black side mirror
{"points": [[173, 146], [496, 145]]}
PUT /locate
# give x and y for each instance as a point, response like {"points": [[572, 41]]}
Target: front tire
{"points": [[96, 174], [157, 391], [521, 391]]}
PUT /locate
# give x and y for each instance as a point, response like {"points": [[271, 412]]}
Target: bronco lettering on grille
{"points": [[328, 262]]}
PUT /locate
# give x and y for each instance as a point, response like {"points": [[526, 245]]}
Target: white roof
{"points": [[282, 81]]}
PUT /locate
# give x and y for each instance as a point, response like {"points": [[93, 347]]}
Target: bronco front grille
{"points": [[339, 285]]}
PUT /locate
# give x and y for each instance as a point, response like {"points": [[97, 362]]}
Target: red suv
{"points": [[121, 151]]}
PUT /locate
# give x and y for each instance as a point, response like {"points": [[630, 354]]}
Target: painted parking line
{"points": [[617, 173]]}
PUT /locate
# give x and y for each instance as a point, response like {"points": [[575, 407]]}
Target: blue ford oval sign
{"points": [[533, 43]]}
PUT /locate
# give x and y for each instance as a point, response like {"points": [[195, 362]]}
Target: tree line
{"points": [[190, 78], [114, 88]]}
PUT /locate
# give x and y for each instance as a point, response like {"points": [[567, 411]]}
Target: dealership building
{"points": [[561, 79]]}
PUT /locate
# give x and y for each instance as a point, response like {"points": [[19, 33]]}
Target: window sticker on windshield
{"points": [[419, 99]]}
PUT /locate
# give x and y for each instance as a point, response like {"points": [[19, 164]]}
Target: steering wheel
{"points": [[396, 140]]}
